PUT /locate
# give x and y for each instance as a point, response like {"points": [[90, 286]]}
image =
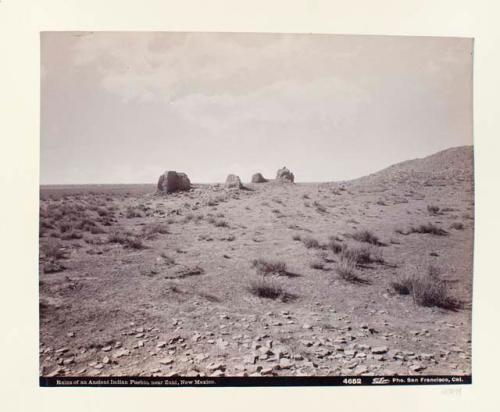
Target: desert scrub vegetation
{"points": [[89, 225], [353, 257], [221, 223], [426, 228], [317, 264], [71, 235], [166, 259], [53, 266], [361, 255], [346, 269], [367, 236], [151, 230], [433, 209], [52, 253], [133, 212], [266, 288], [426, 289], [269, 288], [403, 285], [310, 243], [217, 222], [53, 250], [334, 245], [457, 226], [188, 218], [319, 207], [429, 228], [269, 267], [126, 238]]}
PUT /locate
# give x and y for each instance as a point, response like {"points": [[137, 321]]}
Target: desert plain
{"points": [[365, 277]]}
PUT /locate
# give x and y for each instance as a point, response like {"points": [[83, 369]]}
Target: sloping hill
{"points": [[450, 165]]}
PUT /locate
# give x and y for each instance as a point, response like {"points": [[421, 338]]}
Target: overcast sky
{"points": [[125, 107]]}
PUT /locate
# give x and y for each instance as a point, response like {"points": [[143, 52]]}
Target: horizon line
{"points": [[312, 181]]}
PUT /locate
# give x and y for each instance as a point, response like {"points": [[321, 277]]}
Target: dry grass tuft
{"points": [[402, 286], [367, 236], [150, 231], [362, 255], [433, 209], [346, 269], [428, 228], [126, 239], [457, 226], [311, 243], [427, 290], [265, 288], [317, 265], [269, 267], [133, 212], [334, 245], [53, 250]]}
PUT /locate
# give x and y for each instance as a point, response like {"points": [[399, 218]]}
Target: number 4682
{"points": [[352, 381]]}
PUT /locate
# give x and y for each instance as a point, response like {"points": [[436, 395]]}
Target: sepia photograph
{"points": [[255, 209]]}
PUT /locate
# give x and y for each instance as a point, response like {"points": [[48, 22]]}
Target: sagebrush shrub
{"points": [[268, 267], [367, 237], [265, 288], [311, 243], [426, 289], [428, 228]]}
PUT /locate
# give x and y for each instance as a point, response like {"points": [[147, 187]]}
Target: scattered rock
{"points": [[166, 361], [201, 357], [360, 369], [285, 363], [379, 350], [417, 367], [216, 366], [68, 361], [120, 353], [55, 372], [250, 359]]}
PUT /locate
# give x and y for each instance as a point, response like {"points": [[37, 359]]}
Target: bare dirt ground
{"points": [[139, 284]]}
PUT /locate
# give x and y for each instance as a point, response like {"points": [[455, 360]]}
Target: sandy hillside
{"points": [[372, 276]]}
